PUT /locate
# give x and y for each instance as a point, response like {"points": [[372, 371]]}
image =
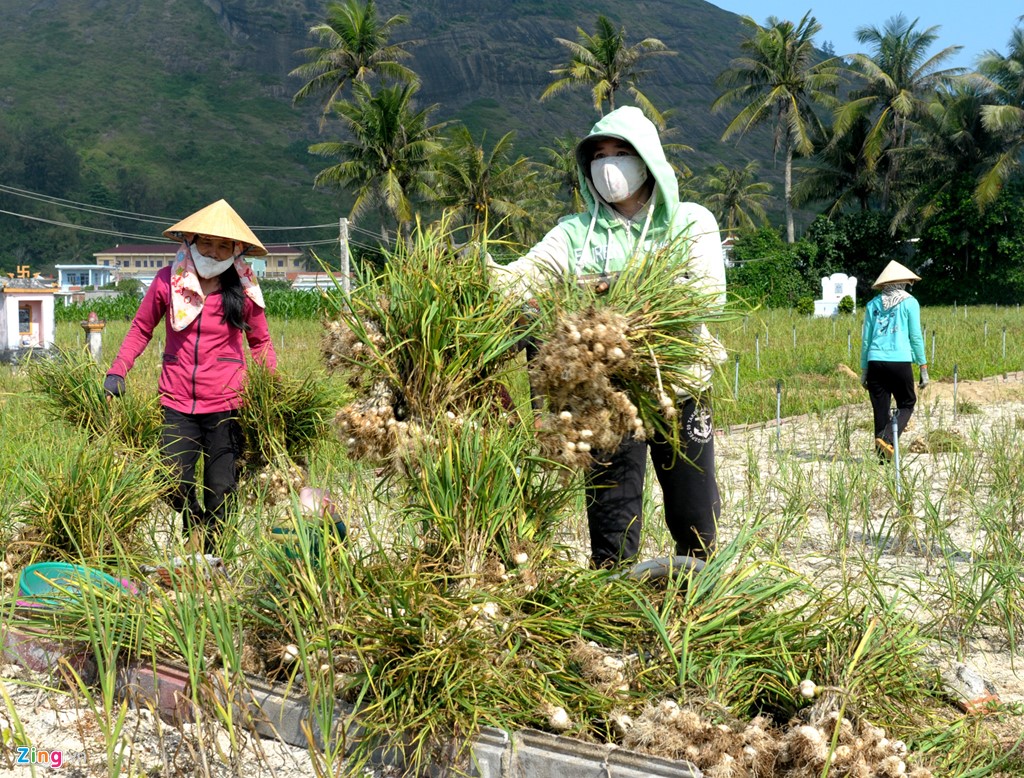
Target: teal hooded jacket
{"points": [[892, 334], [602, 240]]}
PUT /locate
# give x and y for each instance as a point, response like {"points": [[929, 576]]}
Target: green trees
{"points": [[767, 271], [907, 140], [487, 189], [387, 160], [605, 63], [838, 176], [353, 46], [951, 147], [735, 196], [1004, 116], [899, 80], [972, 255], [778, 80], [394, 161], [560, 169]]}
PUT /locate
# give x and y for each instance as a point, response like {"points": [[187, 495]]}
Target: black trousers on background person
{"points": [[216, 437], [888, 381], [615, 490]]}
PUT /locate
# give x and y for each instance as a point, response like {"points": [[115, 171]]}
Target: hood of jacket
{"points": [[629, 124]]}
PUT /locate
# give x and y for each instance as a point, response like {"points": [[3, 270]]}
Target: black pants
{"points": [[692, 503], [888, 381], [216, 437]]}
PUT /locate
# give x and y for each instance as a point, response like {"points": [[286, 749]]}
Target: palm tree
{"points": [[561, 169], [838, 174], [1004, 116], [354, 46], [480, 188], [388, 159], [900, 81], [952, 144], [735, 196], [605, 63], [778, 81]]}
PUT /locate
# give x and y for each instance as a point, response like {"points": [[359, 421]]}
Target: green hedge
{"points": [[281, 303]]}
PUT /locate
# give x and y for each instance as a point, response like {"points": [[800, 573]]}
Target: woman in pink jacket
{"points": [[209, 298]]}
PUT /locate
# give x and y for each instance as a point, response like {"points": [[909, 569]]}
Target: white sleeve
{"points": [[706, 257], [706, 271], [534, 269]]}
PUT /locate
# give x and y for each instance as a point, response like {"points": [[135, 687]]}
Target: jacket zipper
{"points": [[195, 360]]}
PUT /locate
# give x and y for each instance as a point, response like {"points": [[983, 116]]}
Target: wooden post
{"points": [[346, 263]]}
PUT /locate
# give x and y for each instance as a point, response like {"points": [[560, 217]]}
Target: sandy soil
{"points": [[811, 440], [52, 720]]}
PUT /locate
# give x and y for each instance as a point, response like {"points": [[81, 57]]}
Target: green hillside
{"points": [[168, 104]]}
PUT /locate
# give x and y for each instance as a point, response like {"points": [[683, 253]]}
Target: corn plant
{"points": [[119, 308], [307, 306]]}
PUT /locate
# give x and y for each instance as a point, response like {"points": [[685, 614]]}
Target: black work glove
{"points": [[113, 385]]}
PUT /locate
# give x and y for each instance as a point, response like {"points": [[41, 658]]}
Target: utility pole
{"points": [[346, 281]]}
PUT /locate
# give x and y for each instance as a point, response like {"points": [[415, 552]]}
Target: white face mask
{"points": [[617, 178], [207, 267]]}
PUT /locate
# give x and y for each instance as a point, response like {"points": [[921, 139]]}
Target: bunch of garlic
{"points": [[557, 718], [575, 369], [277, 482], [583, 347], [606, 671], [340, 345], [801, 750], [368, 426]]}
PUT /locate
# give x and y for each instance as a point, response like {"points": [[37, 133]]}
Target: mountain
{"points": [[169, 104]]}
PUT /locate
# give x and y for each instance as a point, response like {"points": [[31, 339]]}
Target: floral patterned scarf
{"points": [[894, 294], [187, 296]]}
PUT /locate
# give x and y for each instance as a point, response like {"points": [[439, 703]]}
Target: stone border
{"points": [[494, 753]]}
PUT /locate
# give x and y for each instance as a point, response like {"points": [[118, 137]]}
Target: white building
{"points": [[74, 277], [308, 282], [26, 315]]}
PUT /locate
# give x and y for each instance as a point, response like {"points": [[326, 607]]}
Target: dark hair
{"points": [[233, 299]]}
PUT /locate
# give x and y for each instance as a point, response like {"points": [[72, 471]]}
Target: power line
{"points": [[82, 227], [79, 206], [371, 233], [160, 240], [131, 215], [163, 221]]}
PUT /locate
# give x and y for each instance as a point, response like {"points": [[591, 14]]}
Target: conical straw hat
{"points": [[218, 220], [895, 272]]}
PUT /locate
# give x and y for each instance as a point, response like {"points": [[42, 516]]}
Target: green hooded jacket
{"points": [[613, 239], [602, 240]]}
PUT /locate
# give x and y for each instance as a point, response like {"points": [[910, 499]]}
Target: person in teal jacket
{"points": [[891, 342], [632, 199]]}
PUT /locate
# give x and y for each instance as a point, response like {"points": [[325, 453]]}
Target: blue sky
{"points": [[977, 26]]}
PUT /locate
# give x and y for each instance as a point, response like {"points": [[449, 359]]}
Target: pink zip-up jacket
{"points": [[204, 364]]}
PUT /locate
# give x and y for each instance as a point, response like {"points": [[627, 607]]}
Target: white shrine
{"points": [[26, 314], [833, 289]]}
